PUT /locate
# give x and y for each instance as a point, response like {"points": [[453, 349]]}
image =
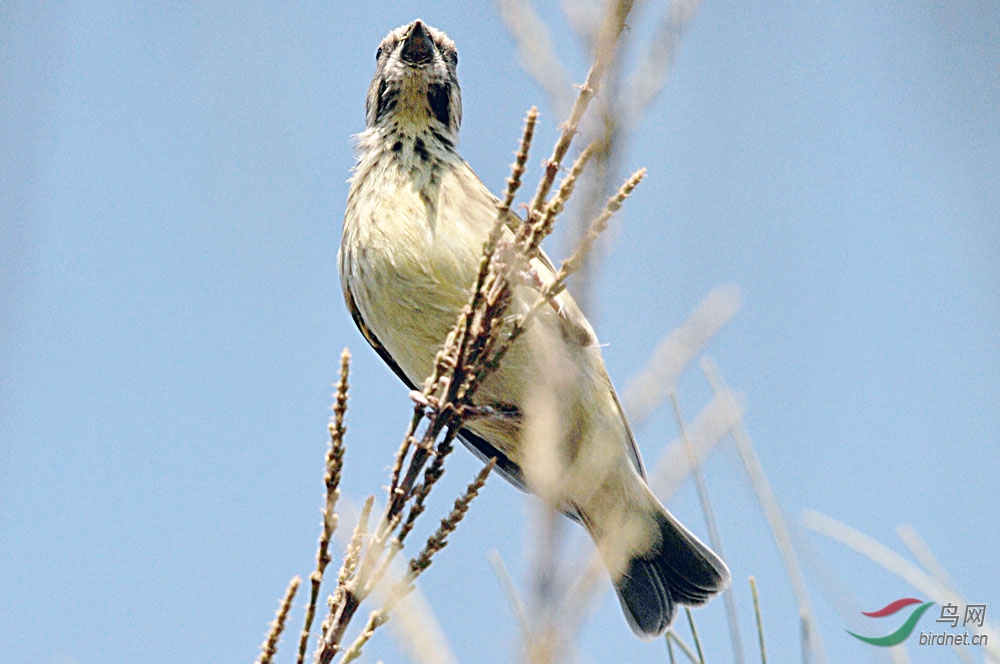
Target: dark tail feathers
{"points": [[680, 570]]}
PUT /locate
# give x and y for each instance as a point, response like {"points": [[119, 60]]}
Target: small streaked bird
{"points": [[416, 221]]}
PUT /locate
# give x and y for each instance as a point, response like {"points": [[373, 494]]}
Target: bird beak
{"points": [[418, 48]]}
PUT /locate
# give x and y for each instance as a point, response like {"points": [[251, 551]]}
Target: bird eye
{"points": [[453, 57], [378, 53]]}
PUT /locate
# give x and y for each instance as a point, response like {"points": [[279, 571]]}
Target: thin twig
{"points": [[353, 554], [510, 593], [694, 635], [654, 67], [376, 619], [602, 60], [538, 55], [713, 528], [349, 593], [331, 479], [608, 39], [672, 636], [772, 512], [646, 390], [417, 630], [439, 539], [706, 432], [922, 552], [670, 648], [551, 290], [540, 224], [599, 225], [432, 474], [270, 645], [520, 159], [419, 564], [760, 622]]}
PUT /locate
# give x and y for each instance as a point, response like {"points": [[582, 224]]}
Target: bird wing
{"points": [[633, 449], [576, 326], [572, 320]]}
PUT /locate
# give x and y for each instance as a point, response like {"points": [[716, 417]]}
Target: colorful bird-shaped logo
{"points": [[904, 631]]}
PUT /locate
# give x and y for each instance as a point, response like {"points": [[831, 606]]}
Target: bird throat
{"points": [[418, 158]]}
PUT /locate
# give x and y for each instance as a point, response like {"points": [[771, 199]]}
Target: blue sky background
{"points": [[171, 194]]}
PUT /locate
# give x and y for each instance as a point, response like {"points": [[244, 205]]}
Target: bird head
{"points": [[415, 87]]}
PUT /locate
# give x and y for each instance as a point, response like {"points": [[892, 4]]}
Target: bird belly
{"points": [[410, 260], [410, 263]]}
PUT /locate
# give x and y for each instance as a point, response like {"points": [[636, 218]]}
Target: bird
{"points": [[416, 220]]}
